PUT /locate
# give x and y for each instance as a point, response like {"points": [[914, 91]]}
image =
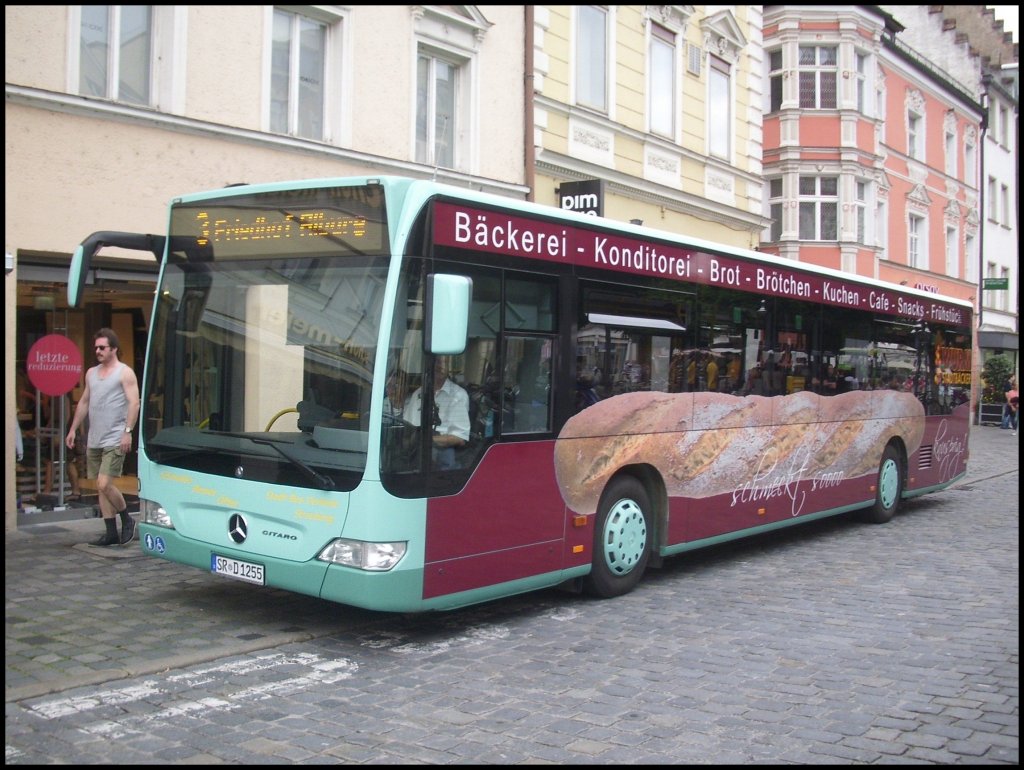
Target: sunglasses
{"points": [[102, 347]]}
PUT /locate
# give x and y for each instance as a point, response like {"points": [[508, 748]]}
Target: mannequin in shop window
{"points": [[46, 436]]}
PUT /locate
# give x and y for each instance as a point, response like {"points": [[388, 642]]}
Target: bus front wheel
{"points": [[622, 538], [889, 489]]}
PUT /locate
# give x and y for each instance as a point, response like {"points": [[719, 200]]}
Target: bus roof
{"points": [[416, 193]]}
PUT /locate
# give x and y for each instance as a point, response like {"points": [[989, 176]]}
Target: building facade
{"points": [[882, 161], [871, 139], [999, 263], [871, 158], [111, 111], [969, 45], [653, 112]]}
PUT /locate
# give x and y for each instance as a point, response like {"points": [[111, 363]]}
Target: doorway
{"points": [[44, 477]]}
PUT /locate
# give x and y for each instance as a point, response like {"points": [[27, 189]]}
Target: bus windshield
{"points": [[264, 330]]}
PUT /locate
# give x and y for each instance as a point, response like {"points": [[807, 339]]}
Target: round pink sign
{"points": [[54, 365]]}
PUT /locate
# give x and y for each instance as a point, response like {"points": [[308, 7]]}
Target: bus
{"points": [[405, 396]]}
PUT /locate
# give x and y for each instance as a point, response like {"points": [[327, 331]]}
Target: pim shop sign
{"points": [[585, 197], [503, 233]]}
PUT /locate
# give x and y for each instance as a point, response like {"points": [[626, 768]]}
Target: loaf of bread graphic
{"points": [[706, 444]]}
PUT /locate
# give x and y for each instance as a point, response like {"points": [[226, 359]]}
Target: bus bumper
{"points": [[397, 590]]}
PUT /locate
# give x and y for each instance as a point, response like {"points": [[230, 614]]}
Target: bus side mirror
{"points": [[81, 260], [76, 275], [448, 298]]}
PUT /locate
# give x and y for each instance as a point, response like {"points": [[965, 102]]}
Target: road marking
{"points": [[317, 671], [395, 641]]}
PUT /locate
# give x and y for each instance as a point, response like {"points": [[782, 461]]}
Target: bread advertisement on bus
{"points": [[747, 447]]}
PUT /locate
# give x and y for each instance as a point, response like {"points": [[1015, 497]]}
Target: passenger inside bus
{"points": [[711, 371], [732, 372], [754, 385], [828, 384]]}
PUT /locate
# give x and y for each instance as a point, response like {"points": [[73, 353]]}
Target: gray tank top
{"points": [[108, 408]]}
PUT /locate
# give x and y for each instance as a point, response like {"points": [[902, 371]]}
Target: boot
{"points": [[127, 527], [110, 538]]}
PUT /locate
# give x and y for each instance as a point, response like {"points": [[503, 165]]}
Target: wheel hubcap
{"points": [[889, 483], [625, 537]]}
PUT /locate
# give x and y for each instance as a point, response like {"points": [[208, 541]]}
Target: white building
{"points": [[111, 111]]}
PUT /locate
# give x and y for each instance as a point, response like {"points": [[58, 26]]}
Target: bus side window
{"points": [[527, 386]]}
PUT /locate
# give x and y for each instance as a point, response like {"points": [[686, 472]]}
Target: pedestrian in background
{"points": [[1012, 404], [1008, 384], [111, 402]]}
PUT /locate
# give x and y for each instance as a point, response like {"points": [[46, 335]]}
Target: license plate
{"points": [[239, 570]]}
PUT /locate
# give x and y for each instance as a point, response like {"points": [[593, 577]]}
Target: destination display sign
{"points": [[499, 232], [343, 220]]}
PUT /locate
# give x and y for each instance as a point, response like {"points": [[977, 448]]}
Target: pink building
{"points": [[871, 153]]}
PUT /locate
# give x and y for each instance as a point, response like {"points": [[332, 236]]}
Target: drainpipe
{"points": [[982, 185], [529, 161], [986, 79]]}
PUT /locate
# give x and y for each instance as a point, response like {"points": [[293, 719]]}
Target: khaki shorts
{"points": [[108, 461]]}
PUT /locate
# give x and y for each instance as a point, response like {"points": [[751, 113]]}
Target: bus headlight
{"points": [[375, 557], [153, 513]]}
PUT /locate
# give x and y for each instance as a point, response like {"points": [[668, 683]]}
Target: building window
{"points": [[1010, 128], [592, 57], [775, 76], [775, 209], [819, 208], [818, 72], [997, 299], [970, 259], [719, 109], [881, 113], [1004, 207], [989, 297], [661, 89], [951, 153], [1002, 125], [915, 135], [917, 249], [297, 73], [447, 45], [881, 230], [969, 171], [115, 54], [993, 202], [952, 253], [860, 207], [436, 89], [862, 81]]}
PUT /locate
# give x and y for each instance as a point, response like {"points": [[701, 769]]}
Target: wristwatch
{"points": [[127, 429]]}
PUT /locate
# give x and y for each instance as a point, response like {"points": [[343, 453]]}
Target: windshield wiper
{"points": [[324, 481], [163, 453]]}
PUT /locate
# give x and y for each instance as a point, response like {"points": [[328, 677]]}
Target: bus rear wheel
{"points": [[889, 489], [622, 538]]}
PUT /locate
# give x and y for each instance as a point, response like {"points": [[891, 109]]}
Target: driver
{"points": [[393, 397], [451, 416]]}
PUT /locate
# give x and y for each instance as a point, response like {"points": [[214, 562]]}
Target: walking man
{"points": [[111, 402]]}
